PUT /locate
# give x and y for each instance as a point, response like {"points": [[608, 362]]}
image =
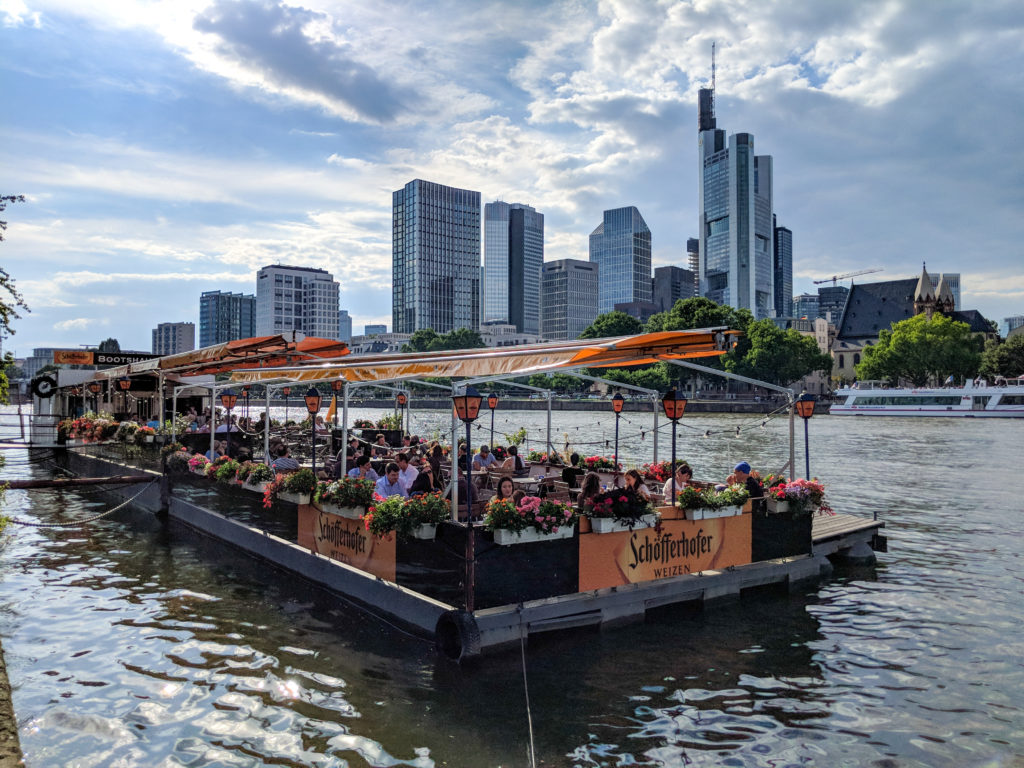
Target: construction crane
{"points": [[836, 278]]}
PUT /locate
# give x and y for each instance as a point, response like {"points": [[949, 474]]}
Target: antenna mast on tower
{"points": [[712, 78]]}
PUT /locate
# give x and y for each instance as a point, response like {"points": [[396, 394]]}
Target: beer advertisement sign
{"points": [[348, 541], [675, 548]]}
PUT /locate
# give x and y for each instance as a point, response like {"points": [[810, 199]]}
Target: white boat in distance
{"points": [[1004, 399]]}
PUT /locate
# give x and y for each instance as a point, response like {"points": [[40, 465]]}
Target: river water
{"points": [[128, 644]]}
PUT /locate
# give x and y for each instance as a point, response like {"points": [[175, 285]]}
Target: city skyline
{"points": [[190, 144]]}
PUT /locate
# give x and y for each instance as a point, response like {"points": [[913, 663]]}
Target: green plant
{"points": [[347, 492], [170, 448], [430, 508], [544, 515], [402, 516], [708, 498], [226, 471], [260, 473], [516, 438], [362, 424], [177, 462], [804, 496], [243, 471], [125, 432], [392, 421], [302, 482]]}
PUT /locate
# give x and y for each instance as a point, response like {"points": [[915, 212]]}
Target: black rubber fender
{"points": [[457, 636]]}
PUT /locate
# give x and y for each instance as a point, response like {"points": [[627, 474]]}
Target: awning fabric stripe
{"points": [[525, 360], [235, 355]]}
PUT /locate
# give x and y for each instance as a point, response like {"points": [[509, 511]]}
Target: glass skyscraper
{"points": [[435, 258], [621, 247], [513, 256], [568, 298], [783, 271], [735, 204], [226, 317]]}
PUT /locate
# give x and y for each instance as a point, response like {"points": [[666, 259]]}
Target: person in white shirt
{"points": [[406, 473], [390, 485]]}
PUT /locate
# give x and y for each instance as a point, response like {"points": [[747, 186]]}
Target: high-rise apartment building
{"points": [[171, 338], [693, 258], [435, 258], [670, 284], [513, 256], [569, 289], [832, 302], [735, 209], [303, 299], [621, 247], [805, 306], [344, 326], [226, 317], [783, 271]]}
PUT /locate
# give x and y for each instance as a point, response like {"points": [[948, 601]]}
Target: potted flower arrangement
{"points": [[620, 509], [298, 487], [349, 497], [709, 503], [213, 466], [225, 471], [657, 473], [800, 497], [416, 517], [126, 431], [595, 463], [177, 462], [362, 424], [198, 464], [258, 477], [533, 519], [170, 448], [147, 434]]}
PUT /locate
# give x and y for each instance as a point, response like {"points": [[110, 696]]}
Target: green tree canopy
{"points": [[778, 356], [10, 300], [428, 340], [922, 349], [612, 324], [700, 312], [1003, 358], [420, 340], [110, 346]]}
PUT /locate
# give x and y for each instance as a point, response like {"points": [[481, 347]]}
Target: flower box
{"points": [[201, 471], [611, 525], [353, 513], [293, 498], [775, 506], [426, 531], [148, 438], [259, 488], [711, 514], [504, 537]]}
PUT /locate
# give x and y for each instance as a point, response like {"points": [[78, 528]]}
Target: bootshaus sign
{"points": [[91, 357]]}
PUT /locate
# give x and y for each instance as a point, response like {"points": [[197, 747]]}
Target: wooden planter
{"points": [[671, 512]]}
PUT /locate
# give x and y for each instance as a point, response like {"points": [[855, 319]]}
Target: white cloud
{"points": [[79, 323], [15, 13]]}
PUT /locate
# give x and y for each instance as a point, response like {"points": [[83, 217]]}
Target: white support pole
{"points": [[792, 434], [656, 404], [213, 420], [344, 430], [266, 425], [174, 413], [455, 467], [550, 449]]}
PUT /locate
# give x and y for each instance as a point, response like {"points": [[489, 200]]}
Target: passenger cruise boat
{"points": [[1004, 399]]}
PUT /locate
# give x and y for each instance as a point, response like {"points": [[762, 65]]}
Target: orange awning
{"points": [[524, 360]]}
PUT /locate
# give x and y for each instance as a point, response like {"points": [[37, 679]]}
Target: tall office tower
{"points": [[344, 326], [693, 257], [374, 329], [783, 272], [670, 284], [1012, 323], [832, 302], [226, 317], [952, 281], [435, 258], [735, 210], [513, 255], [301, 299], [169, 338], [569, 289], [621, 247], [805, 306]]}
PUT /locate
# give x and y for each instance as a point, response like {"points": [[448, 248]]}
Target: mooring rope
{"points": [[77, 523], [526, 688]]}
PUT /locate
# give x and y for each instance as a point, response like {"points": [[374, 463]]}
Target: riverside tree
{"points": [[1003, 358], [612, 324], [922, 350], [778, 356]]}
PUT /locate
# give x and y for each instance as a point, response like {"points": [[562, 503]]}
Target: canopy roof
{"points": [[235, 355], [507, 361]]}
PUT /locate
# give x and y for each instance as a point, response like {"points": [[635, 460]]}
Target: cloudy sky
{"points": [[167, 148]]}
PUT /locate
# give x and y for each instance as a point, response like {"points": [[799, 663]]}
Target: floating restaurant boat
{"points": [[1003, 400], [466, 587]]}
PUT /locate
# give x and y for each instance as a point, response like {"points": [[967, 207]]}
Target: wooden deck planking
{"points": [[827, 527]]}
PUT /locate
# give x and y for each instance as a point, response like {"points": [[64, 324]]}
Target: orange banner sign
{"points": [[678, 548], [346, 540], [72, 357]]}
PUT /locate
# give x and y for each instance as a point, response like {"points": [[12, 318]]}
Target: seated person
{"points": [[381, 447], [406, 472], [514, 463], [633, 482], [484, 459], [589, 488], [284, 461], [390, 484], [426, 481], [362, 469], [743, 475], [517, 496], [216, 452], [506, 488], [684, 477]]}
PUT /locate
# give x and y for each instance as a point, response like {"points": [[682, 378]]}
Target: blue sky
{"points": [[167, 148]]}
